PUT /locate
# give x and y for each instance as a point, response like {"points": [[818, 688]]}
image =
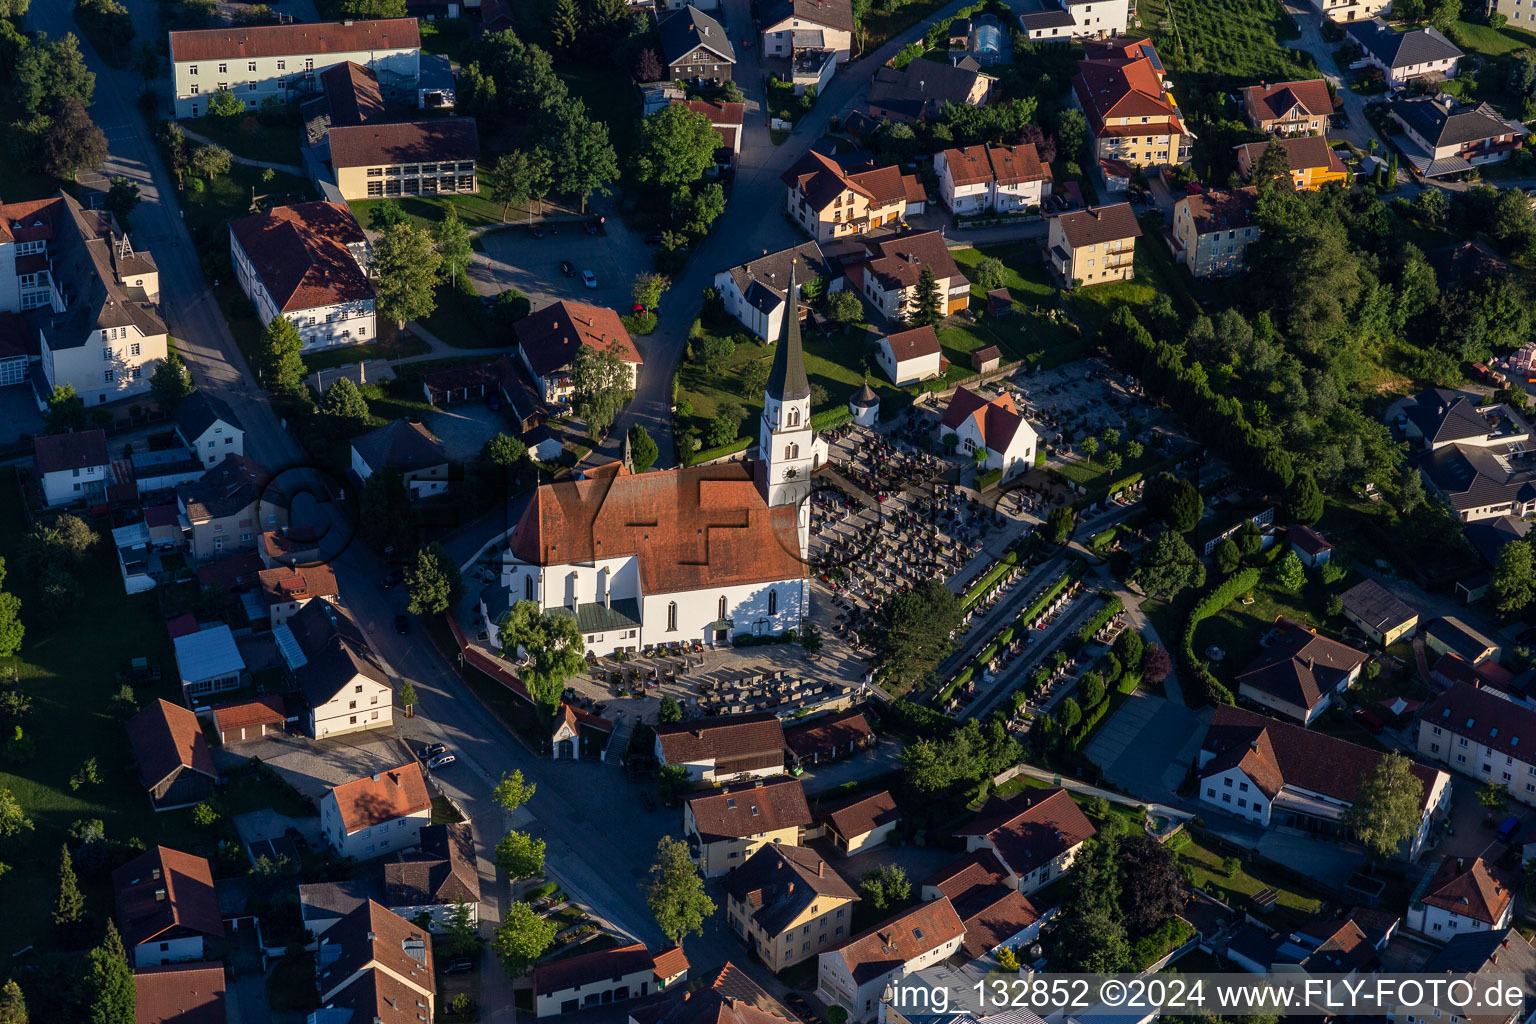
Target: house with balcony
{"points": [[1289, 108], [1404, 56], [791, 26], [921, 90], [1035, 836], [788, 905], [1122, 89], [547, 342], [885, 272], [1089, 247], [724, 828], [1212, 230], [992, 179], [1443, 136], [695, 48], [1465, 895], [855, 974], [829, 202], [228, 506], [1060, 20], [1312, 161]]}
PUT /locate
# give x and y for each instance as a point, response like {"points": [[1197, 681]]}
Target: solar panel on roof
{"points": [[1148, 52]]}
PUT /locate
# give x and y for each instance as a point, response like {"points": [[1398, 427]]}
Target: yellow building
{"points": [[1313, 162], [414, 158], [725, 828], [1089, 247], [788, 905], [1121, 89]]}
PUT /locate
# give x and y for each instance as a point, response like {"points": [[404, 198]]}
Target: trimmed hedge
{"points": [[988, 479], [1111, 608], [829, 418], [961, 678], [920, 720], [977, 590], [1091, 719], [741, 444], [1213, 690]]}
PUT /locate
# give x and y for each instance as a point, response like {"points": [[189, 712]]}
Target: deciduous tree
{"points": [[1153, 891], [13, 1007], [676, 146], [519, 855], [844, 307], [1167, 565], [224, 105], [72, 143], [1514, 577], [583, 162], [676, 893], [373, 8], [512, 791], [1290, 576], [550, 643], [1385, 812], [913, 632], [170, 384], [211, 161], [451, 240], [600, 387], [384, 511], [11, 629], [886, 887], [407, 263], [1174, 500], [521, 938]]}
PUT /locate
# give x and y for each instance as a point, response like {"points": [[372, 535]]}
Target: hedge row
{"points": [[1073, 572], [829, 418], [918, 719], [1090, 720], [741, 444], [977, 590], [988, 479], [1213, 691], [1111, 608]]}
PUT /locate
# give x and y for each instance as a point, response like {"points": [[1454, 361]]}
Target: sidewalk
{"points": [[293, 169]]}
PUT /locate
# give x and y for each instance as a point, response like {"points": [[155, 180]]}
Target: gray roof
{"points": [[335, 900], [1036, 20], [91, 258], [866, 397], [208, 654], [1473, 477], [680, 32], [1441, 121], [831, 13], [1503, 954], [1401, 49], [787, 379], [1445, 415], [1374, 604], [763, 281], [1460, 638], [333, 651], [199, 411], [1490, 535], [402, 445]]}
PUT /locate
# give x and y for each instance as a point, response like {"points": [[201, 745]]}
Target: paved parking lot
{"points": [[18, 413], [465, 427], [1147, 745], [513, 258]]}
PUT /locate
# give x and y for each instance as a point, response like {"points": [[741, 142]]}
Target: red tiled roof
{"points": [[375, 934], [163, 889], [165, 737], [731, 998], [58, 453], [264, 710], [1013, 165], [995, 919], [998, 420], [718, 113], [31, 220], [1099, 224], [296, 584], [750, 809], [1309, 540], [670, 962], [1120, 81], [404, 142], [887, 185], [968, 166], [1222, 209], [898, 261], [550, 337], [1268, 102], [1472, 890], [693, 529], [602, 965], [300, 253], [728, 738], [908, 935], [819, 178], [913, 344], [975, 872], [373, 799], [299, 38], [837, 730], [179, 994], [1032, 829], [352, 92], [863, 814]]}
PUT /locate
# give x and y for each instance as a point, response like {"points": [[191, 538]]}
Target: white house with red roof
{"points": [[855, 974], [547, 343], [705, 553], [995, 425], [981, 179], [307, 262], [1463, 895], [377, 814], [1035, 836], [167, 911], [908, 357]]}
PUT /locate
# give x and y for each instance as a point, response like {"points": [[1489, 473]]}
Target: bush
{"points": [[1214, 692]]}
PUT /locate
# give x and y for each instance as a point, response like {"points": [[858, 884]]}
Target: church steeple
{"points": [[787, 381]]}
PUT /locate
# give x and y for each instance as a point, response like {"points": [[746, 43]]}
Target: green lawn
{"points": [[1492, 42], [390, 344], [253, 138], [425, 211], [449, 36], [1251, 878], [71, 682], [1155, 274], [1034, 330], [1238, 628], [1098, 476], [878, 27]]}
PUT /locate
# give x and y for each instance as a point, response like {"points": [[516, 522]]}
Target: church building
{"points": [[705, 553]]}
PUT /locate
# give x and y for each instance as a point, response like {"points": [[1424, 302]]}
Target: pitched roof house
{"points": [[1121, 88], [1404, 56], [209, 427], [407, 447], [791, 26], [1273, 773], [1212, 230], [695, 47], [1286, 108], [174, 762], [1094, 245], [730, 997], [829, 738], [1461, 897], [829, 201], [166, 908], [755, 292], [911, 356], [1383, 616], [285, 590], [208, 661], [547, 342], [788, 904], [343, 681], [191, 993], [727, 119], [1450, 635], [721, 749], [994, 912], [726, 827], [1298, 672], [1478, 958], [854, 974], [1035, 836], [862, 823], [921, 90], [1313, 162], [248, 720], [229, 505], [995, 425], [386, 160], [435, 878], [377, 814], [1445, 136], [595, 979], [72, 467], [886, 273], [307, 262], [1477, 732], [379, 966]]}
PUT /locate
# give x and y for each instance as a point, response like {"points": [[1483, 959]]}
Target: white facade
{"points": [[441, 914], [906, 371], [283, 78], [703, 770], [172, 951], [836, 985], [69, 485], [778, 38], [768, 326], [341, 323], [216, 441], [1093, 20], [420, 483], [1038, 876], [112, 364], [594, 994], [400, 833], [1441, 925], [987, 196], [1017, 457], [363, 703], [1439, 742]]}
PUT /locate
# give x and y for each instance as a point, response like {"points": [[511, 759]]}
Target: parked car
{"points": [[441, 761], [1369, 722], [402, 624], [589, 279], [431, 750], [297, 838], [567, 269], [1507, 829], [797, 1002], [459, 966]]}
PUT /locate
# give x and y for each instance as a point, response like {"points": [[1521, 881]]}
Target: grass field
{"points": [[67, 667], [425, 211], [1214, 40], [1251, 878], [1030, 331], [253, 138], [1238, 628], [1492, 42], [877, 29], [1155, 274]]}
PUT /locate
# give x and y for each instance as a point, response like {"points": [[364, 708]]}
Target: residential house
{"points": [[1311, 547], [323, 905], [246, 721], [995, 179], [721, 750], [406, 158], [886, 273], [862, 822], [1122, 90], [1437, 418], [1483, 959], [180, 994], [72, 467], [172, 756], [730, 996], [921, 90], [1035, 836], [409, 449], [1460, 898], [1404, 56], [18, 339], [1519, 16], [855, 974], [695, 48], [1477, 732], [378, 966], [1060, 20], [1348, 946], [208, 427], [827, 739], [754, 292], [788, 904], [1479, 481], [829, 202], [329, 658], [1088, 247], [994, 912], [728, 121], [1450, 635], [1379, 613], [726, 827], [307, 262], [789, 26], [281, 62], [284, 591], [1344, 11], [547, 342], [1288, 108], [909, 357], [228, 506], [1213, 229], [377, 814], [1275, 774], [166, 908], [96, 325], [671, 967], [994, 425], [208, 661], [1446, 136], [436, 878], [592, 980], [1298, 673], [1312, 161]]}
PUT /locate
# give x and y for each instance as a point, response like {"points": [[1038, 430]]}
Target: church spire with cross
{"points": [[787, 446], [787, 380]]}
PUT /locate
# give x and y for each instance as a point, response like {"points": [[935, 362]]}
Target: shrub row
{"points": [[1213, 691], [1091, 719], [1111, 608]]}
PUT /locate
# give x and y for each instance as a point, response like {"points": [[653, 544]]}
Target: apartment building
{"points": [[1122, 90], [1088, 247], [885, 272], [725, 828], [788, 905], [995, 179], [830, 202], [1477, 732], [283, 62], [1212, 230]]}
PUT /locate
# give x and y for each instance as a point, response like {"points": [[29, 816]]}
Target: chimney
{"points": [[372, 937], [160, 895], [376, 778], [1458, 865], [821, 872]]}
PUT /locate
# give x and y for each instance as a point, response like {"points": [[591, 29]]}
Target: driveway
{"points": [[884, 758], [1309, 21], [264, 832], [513, 258], [18, 412], [465, 427], [313, 767]]}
